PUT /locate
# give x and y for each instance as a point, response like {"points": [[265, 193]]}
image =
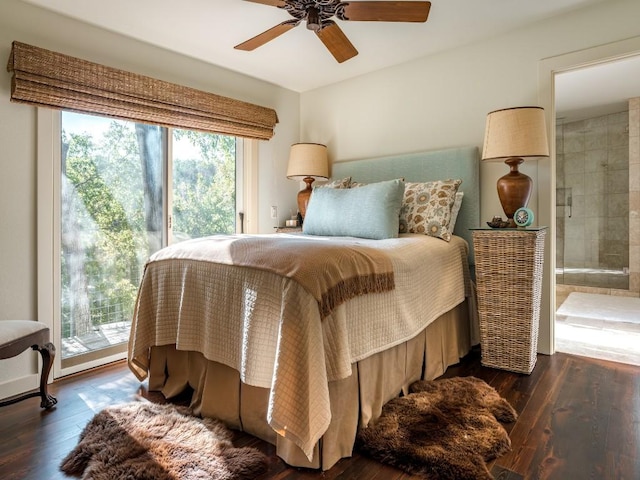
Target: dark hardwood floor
{"points": [[579, 419]]}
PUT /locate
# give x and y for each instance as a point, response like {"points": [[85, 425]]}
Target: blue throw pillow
{"points": [[371, 211]]}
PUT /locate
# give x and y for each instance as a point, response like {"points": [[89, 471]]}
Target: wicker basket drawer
{"points": [[509, 279]]}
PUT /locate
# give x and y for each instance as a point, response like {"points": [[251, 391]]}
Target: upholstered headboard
{"points": [[451, 163]]}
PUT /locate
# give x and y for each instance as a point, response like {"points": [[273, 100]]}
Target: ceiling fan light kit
{"points": [[313, 19], [318, 14]]}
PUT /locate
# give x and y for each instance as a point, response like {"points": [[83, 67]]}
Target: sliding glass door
{"points": [[126, 190]]}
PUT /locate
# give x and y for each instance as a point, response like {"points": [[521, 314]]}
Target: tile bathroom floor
{"points": [[599, 326]]}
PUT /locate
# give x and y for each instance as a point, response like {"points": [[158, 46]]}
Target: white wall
{"points": [[442, 100], [29, 24]]}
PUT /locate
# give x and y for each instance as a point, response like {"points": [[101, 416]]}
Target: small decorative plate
{"points": [[523, 217]]}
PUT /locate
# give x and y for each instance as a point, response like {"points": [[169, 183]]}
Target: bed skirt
{"points": [[355, 400]]}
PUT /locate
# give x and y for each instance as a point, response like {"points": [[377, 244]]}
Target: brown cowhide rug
{"points": [[144, 440], [443, 429]]}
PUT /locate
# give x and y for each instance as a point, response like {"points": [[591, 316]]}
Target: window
{"points": [[204, 184], [113, 208]]}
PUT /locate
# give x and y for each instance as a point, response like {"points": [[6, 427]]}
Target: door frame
{"points": [[547, 69]]}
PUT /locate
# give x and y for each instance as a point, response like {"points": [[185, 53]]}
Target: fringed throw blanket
{"points": [[332, 272]]}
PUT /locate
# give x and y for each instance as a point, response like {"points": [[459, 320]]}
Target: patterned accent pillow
{"points": [[426, 207], [336, 183]]}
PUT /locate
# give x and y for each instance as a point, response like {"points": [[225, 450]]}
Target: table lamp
{"points": [[513, 134], [307, 162]]}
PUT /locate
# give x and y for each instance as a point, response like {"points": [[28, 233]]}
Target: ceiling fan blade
{"points": [[273, 3], [336, 42], [387, 11], [266, 36]]}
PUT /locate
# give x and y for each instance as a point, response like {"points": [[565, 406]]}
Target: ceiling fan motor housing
{"points": [[315, 12]]}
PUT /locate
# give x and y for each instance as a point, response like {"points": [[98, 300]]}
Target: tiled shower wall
{"points": [[592, 212], [578, 239]]}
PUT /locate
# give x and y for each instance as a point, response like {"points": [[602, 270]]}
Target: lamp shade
{"points": [[308, 160], [515, 132]]}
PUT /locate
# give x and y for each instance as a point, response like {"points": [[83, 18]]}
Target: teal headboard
{"points": [[452, 163]]}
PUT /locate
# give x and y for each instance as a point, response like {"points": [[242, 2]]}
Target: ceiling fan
{"points": [[318, 13]]}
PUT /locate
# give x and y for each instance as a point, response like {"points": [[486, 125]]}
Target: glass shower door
{"points": [[592, 202]]}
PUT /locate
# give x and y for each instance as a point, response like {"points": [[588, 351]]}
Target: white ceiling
{"points": [[297, 60], [598, 89]]}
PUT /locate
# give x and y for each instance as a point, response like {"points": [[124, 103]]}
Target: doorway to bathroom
{"points": [[598, 211]]}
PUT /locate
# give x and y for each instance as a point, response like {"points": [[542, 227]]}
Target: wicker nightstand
{"points": [[509, 278]]}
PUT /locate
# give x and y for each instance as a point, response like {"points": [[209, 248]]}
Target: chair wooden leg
{"points": [[48, 353]]}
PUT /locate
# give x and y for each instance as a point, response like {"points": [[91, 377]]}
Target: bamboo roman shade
{"points": [[50, 79]]}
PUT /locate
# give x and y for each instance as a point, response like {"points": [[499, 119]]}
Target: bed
{"points": [[300, 369]]}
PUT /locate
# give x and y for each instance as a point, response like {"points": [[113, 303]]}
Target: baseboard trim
{"points": [[17, 386]]}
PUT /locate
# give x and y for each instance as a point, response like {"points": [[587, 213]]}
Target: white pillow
{"points": [[455, 210]]}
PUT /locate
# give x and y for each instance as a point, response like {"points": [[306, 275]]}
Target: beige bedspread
{"points": [[272, 333]]}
